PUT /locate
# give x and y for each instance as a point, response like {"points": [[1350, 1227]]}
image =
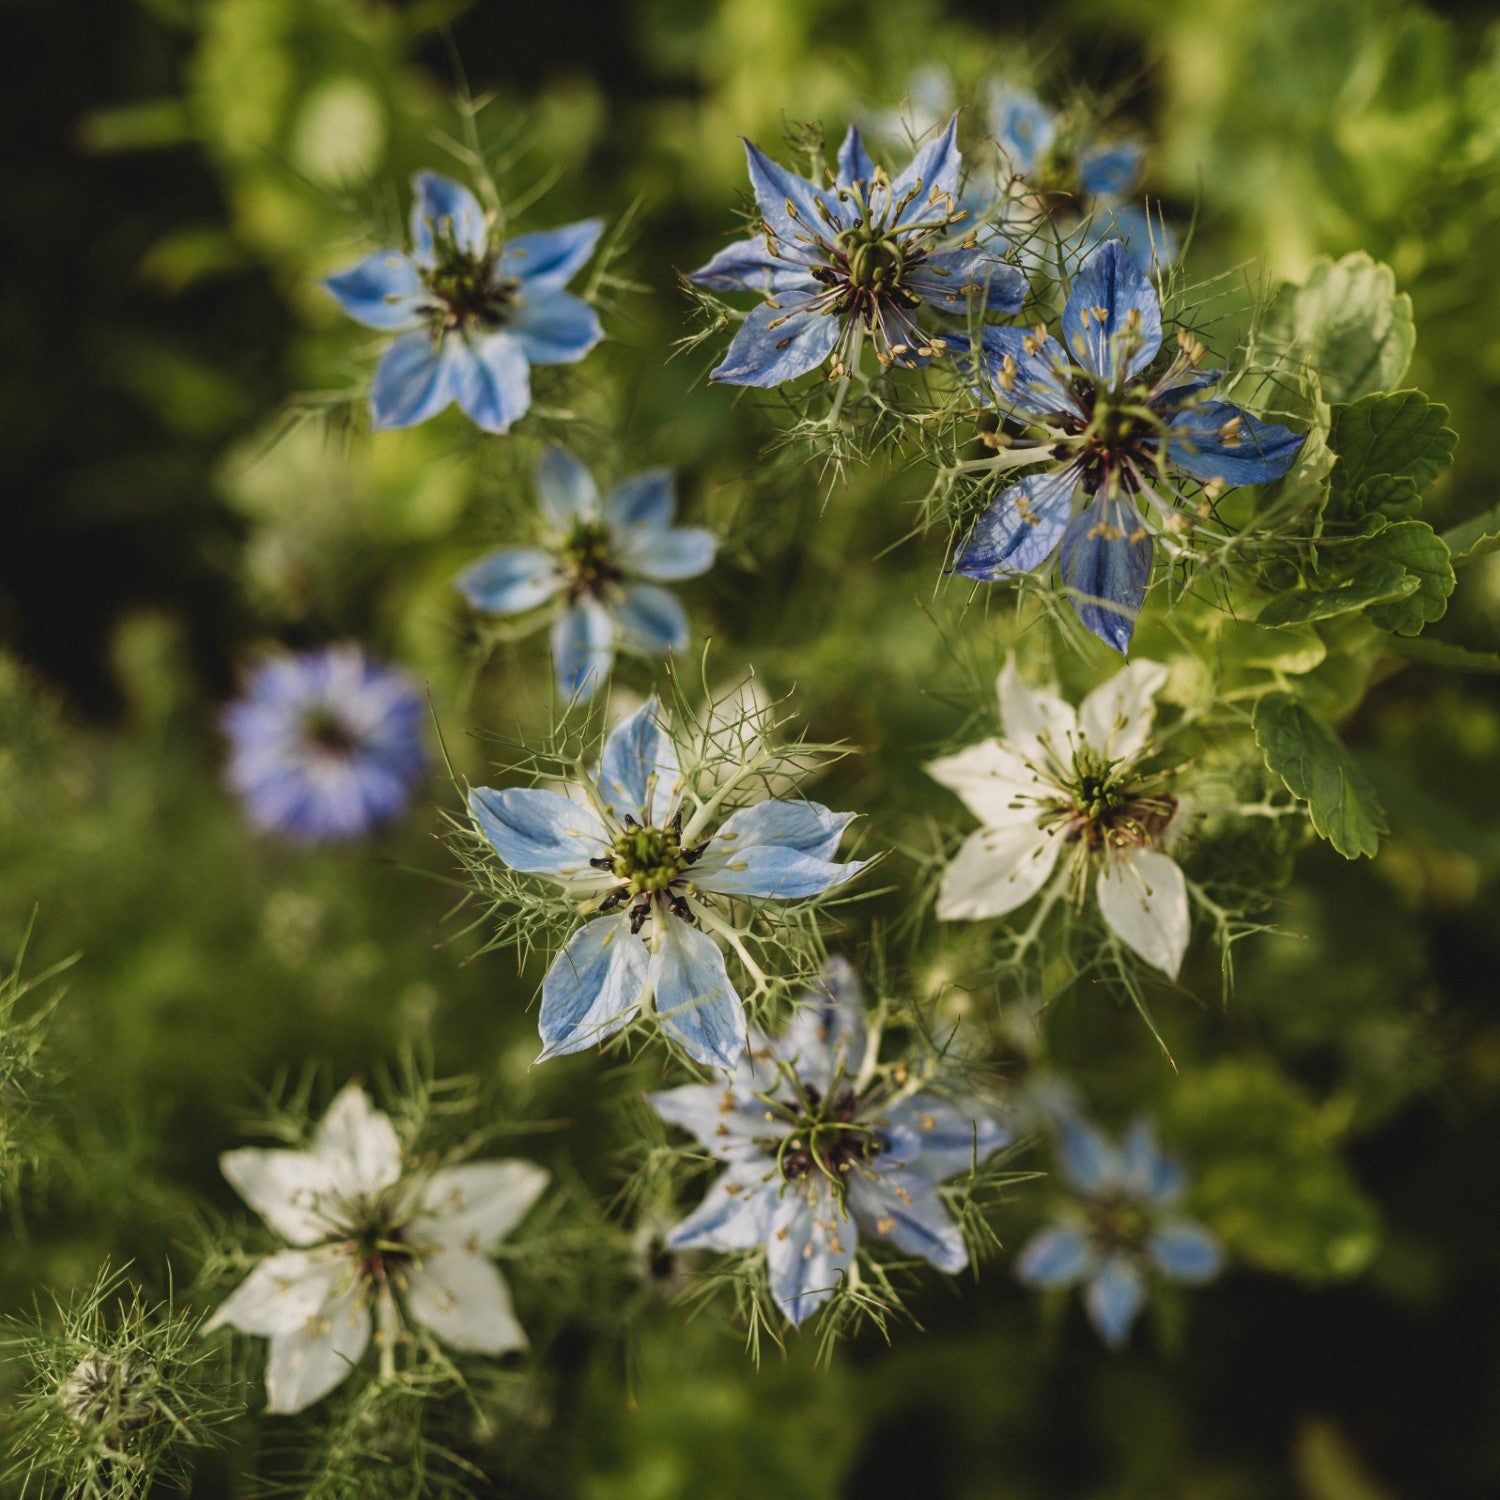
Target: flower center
{"points": [[465, 291], [377, 1240], [826, 1138], [328, 734], [588, 560], [1106, 809], [647, 860], [1118, 1223], [875, 260]]}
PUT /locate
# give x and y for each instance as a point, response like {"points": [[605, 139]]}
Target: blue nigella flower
{"points": [[661, 872], [854, 259], [1124, 1229], [821, 1148], [1113, 436], [471, 314], [605, 558], [326, 745]]}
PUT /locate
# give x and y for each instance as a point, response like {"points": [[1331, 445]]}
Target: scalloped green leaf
{"points": [[1374, 583], [1381, 440], [1424, 555]]}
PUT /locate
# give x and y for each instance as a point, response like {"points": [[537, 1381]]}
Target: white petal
{"points": [[1035, 722], [288, 1189], [280, 1294], [996, 870], [1115, 718], [305, 1365], [995, 783], [474, 1206], [465, 1301], [1144, 898], [358, 1143]]}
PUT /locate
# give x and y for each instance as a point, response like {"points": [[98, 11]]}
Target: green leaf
{"points": [[1374, 583], [1394, 496], [1474, 537], [1398, 433], [1301, 749], [1421, 551]]}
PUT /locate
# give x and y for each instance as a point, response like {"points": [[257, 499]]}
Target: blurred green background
{"points": [[180, 173]]}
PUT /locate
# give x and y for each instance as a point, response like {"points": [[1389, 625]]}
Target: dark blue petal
{"points": [[774, 345], [643, 502], [539, 832], [749, 266], [668, 555], [413, 380], [556, 328], [1111, 171], [583, 648], [383, 291], [451, 208], [491, 381], [789, 205], [638, 771], [854, 161], [1185, 1251], [549, 259], [1024, 127], [1057, 1257], [593, 987], [1107, 290], [1106, 564], [510, 581], [1184, 389], [933, 172], [1114, 1298], [1217, 440], [1039, 374], [565, 490], [651, 620], [1019, 531], [695, 1002], [951, 278]]}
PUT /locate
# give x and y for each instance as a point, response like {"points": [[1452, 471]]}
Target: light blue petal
{"points": [[383, 291], [789, 205], [854, 161], [638, 771], [550, 258], [773, 346], [583, 648], [452, 208], [1021, 530], [510, 581], [808, 827], [950, 1138], [1151, 243], [1114, 1298], [1057, 1257], [771, 872], [1111, 171], [491, 381], [951, 278], [1186, 1251], [539, 832], [644, 502], [1106, 564], [1041, 382], [1025, 128], [1218, 440], [726, 1121], [650, 620], [695, 1002], [670, 554], [934, 169], [593, 987], [825, 1040], [736, 1214], [412, 381], [1108, 288], [749, 266], [810, 1247], [1089, 1162], [905, 1209], [1146, 1174], [556, 328], [565, 490]]}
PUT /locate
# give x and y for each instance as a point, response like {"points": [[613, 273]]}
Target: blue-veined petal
{"points": [[1021, 529], [555, 328], [825, 1040], [1028, 374], [1057, 1257], [1113, 316], [1024, 127], [491, 381], [1217, 440], [539, 832], [383, 291], [1185, 1251], [643, 502], [650, 620], [696, 1004], [1184, 389], [749, 266], [810, 1247], [550, 258], [669, 554], [1089, 1162], [736, 1214], [725, 1121], [1106, 564], [510, 581], [933, 171], [565, 490], [770, 871], [901, 1207], [951, 278], [789, 204], [593, 987], [854, 161], [412, 381], [1114, 1298], [450, 208], [774, 345], [583, 647], [951, 1138], [1111, 171], [638, 770], [808, 827]]}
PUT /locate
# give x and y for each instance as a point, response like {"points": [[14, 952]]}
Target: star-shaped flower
{"points": [[603, 558], [851, 260], [822, 1148], [472, 313], [1070, 788], [1128, 444], [371, 1239]]}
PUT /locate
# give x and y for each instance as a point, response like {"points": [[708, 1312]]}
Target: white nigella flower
{"points": [[368, 1236], [1067, 788]]}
